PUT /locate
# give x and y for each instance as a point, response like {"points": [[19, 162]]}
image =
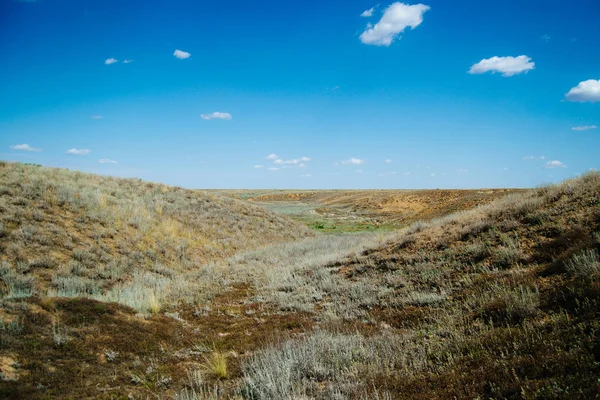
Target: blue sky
{"points": [[437, 94]]}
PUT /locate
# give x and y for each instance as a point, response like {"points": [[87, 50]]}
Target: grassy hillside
{"points": [[70, 234], [500, 301]]}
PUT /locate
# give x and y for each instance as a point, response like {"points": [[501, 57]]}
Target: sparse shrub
{"points": [[14, 326], [216, 364], [585, 265], [511, 305], [111, 355], [60, 334], [509, 253], [15, 285]]}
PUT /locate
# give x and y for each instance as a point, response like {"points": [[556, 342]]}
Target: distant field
{"points": [[366, 210]]}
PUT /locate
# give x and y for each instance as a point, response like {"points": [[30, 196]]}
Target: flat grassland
{"points": [[119, 288], [336, 211]]}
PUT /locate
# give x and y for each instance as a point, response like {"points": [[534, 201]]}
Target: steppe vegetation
{"points": [[114, 288]]}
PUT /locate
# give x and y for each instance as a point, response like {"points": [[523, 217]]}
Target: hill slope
{"points": [[499, 302], [72, 234]]}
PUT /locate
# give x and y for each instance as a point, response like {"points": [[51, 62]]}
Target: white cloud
{"points": [[272, 156], [79, 152], [396, 18], [107, 161], [534, 158], [359, 171], [302, 165], [388, 161], [432, 175], [406, 173], [388, 174], [291, 162], [96, 116], [463, 170], [368, 13], [586, 91], [584, 128], [354, 161], [273, 169], [182, 55], [554, 164], [507, 66], [258, 166], [25, 147], [546, 38], [216, 115], [109, 61], [306, 176], [127, 61]]}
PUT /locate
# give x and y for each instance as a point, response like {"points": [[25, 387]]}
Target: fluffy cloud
{"points": [[555, 164], [127, 61], [216, 115], [396, 18], [182, 55], [272, 156], [354, 161], [25, 147], [368, 13], [106, 161], [586, 91], [507, 66], [111, 60], [584, 128], [388, 161], [79, 152]]}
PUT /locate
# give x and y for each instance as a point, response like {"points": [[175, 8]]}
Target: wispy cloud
{"points": [[127, 61], [216, 115], [109, 61], [79, 152], [96, 116], [507, 66], [273, 169], [555, 164], [546, 38], [388, 174], [353, 161], [305, 176], [25, 147], [584, 128], [388, 161], [368, 13], [396, 18], [272, 156], [291, 162], [586, 91], [107, 161], [258, 166], [180, 54], [534, 158]]}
